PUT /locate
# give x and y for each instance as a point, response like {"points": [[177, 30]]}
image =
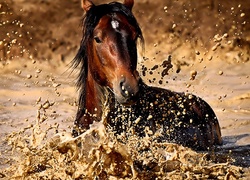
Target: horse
{"points": [[108, 79]]}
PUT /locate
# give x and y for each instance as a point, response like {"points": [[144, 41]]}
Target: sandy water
{"points": [[38, 105]]}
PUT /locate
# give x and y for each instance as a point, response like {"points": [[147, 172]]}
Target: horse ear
{"points": [[87, 4], [129, 3]]}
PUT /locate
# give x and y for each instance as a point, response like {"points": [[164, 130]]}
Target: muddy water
{"points": [[38, 104]]}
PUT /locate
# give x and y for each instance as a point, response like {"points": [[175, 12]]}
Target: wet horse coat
{"points": [[109, 80]]}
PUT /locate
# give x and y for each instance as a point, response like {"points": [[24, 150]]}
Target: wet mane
{"points": [[89, 22]]}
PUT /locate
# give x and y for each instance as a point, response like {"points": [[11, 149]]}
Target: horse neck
{"points": [[96, 97]]}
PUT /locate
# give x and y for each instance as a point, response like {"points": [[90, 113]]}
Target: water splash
{"points": [[97, 154]]}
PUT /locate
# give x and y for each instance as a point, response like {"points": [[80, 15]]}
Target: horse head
{"points": [[112, 49]]}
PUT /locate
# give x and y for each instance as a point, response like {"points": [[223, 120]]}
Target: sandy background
{"points": [[39, 38]]}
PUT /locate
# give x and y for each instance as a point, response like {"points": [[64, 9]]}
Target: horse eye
{"points": [[97, 39]]}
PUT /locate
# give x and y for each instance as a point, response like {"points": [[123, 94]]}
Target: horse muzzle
{"points": [[127, 91]]}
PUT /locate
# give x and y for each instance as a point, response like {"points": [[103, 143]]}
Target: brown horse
{"points": [[108, 79]]}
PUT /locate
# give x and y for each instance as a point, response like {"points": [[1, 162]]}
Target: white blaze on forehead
{"points": [[114, 24]]}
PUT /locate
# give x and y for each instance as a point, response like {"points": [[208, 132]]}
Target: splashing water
{"points": [[97, 154]]}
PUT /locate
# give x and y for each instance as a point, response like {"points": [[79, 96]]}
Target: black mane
{"points": [[89, 22]]}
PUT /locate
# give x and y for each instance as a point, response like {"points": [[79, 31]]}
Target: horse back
{"points": [[179, 117]]}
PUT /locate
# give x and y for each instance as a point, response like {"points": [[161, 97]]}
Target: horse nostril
{"points": [[128, 89], [124, 90]]}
